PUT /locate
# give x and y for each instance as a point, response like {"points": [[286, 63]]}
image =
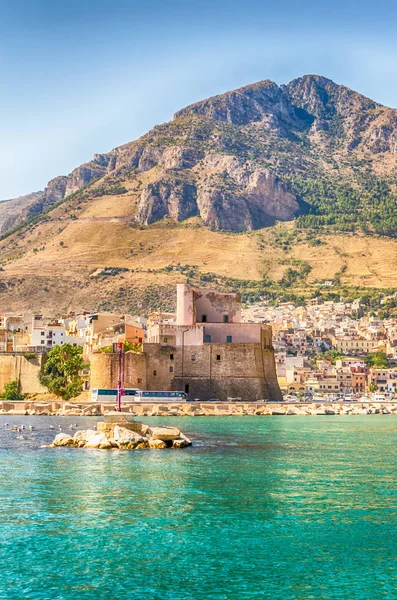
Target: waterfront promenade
{"points": [[198, 409]]}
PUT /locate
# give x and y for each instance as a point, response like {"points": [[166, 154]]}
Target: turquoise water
{"points": [[275, 508]]}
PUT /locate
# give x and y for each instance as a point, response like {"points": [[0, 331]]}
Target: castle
{"points": [[204, 350]]}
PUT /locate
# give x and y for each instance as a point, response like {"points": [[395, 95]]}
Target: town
{"points": [[329, 348], [213, 348]]}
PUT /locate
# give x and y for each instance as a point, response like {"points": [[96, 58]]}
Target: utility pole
{"points": [[120, 375], [183, 353]]}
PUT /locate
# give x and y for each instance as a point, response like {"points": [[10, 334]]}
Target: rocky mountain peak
{"points": [[323, 98], [264, 101]]}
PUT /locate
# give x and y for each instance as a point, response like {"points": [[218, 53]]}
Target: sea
{"points": [[274, 508]]}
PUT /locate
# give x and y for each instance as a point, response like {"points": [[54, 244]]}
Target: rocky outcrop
{"points": [[167, 197], [231, 195], [265, 102], [62, 186], [239, 196], [124, 435], [322, 98], [13, 211]]}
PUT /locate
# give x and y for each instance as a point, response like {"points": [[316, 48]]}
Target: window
{"points": [[42, 341], [226, 318], [193, 357], [207, 339], [165, 340], [42, 333], [171, 357], [186, 388], [154, 373], [229, 339], [204, 319], [171, 369], [218, 357], [139, 380]]}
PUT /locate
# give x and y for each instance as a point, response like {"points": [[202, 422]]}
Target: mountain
{"points": [[15, 210], [313, 154]]}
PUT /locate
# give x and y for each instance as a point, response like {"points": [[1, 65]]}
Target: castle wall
{"points": [[104, 370], [221, 371], [17, 367], [226, 371]]}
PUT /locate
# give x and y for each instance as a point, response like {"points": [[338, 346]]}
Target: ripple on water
{"points": [[258, 508]]}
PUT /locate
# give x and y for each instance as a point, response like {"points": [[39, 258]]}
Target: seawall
{"points": [[198, 409]]}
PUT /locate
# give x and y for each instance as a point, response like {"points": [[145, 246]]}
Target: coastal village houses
{"points": [[212, 347]]}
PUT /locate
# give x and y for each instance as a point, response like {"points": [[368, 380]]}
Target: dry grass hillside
{"points": [[276, 191], [60, 264]]}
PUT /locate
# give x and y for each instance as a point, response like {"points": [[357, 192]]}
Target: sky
{"points": [[80, 77]]}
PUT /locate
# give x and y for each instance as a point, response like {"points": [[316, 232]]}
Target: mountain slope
{"points": [[186, 199], [13, 211]]}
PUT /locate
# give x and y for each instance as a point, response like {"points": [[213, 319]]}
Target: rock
{"points": [[85, 435], [63, 439], [164, 433], [186, 439], [98, 441], [144, 428], [157, 444], [143, 445], [180, 443], [126, 437], [167, 197]]}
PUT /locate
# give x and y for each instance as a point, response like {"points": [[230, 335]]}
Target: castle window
{"points": [[218, 357], [229, 339], [139, 380], [204, 319], [171, 369], [193, 357], [154, 373], [171, 357], [165, 340], [207, 339], [226, 318]]}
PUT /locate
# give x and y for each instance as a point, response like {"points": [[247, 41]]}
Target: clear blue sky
{"points": [[84, 76]]}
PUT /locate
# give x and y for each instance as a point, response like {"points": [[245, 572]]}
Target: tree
{"points": [[377, 360], [11, 391], [372, 386], [331, 355], [61, 371], [127, 347]]}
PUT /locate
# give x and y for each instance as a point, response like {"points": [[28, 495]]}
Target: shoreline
{"points": [[196, 409]]}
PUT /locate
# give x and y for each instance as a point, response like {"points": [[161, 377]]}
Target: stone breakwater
{"points": [[198, 409], [123, 434]]}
